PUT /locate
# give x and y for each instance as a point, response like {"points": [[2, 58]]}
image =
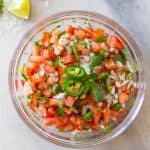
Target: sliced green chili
{"points": [[59, 111], [43, 100], [75, 72], [117, 106], [56, 62], [55, 88], [88, 116], [73, 88]]}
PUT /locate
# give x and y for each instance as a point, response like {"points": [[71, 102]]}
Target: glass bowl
{"points": [[23, 50]]}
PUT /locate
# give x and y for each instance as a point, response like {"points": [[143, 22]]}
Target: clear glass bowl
{"points": [[23, 50]]}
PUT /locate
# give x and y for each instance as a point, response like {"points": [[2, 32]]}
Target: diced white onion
{"points": [[27, 89], [129, 67], [63, 41], [119, 64], [86, 58], [86, 67], [115, 101], [59, 96], [118, 84], [42, 72]]}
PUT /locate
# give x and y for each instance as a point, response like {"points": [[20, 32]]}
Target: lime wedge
{"points": [[20, 8]]}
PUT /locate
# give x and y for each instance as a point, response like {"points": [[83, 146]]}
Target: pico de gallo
{"points": [[78, 79]]}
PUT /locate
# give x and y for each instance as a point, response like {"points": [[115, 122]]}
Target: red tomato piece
{"points": [[97, 115], [52, 54], [68, 59], [62, 120], [70, 127], [70, 101], [110, 64], [48, 121], [123, 97], [49, 69], [114, 42], [60, 71], [45, 37], [98, 33], [70, 29], [46, 54], [107, 115]]}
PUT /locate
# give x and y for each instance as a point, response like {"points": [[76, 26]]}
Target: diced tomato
{"points": [[35, 50], [70, 29], [80, 34], [42, 111], [107, 115], [48, 121], [52, 54], [110, 64], [45, 37], [77, 121], [114, 42], [36, 78], [60, 71], [124, 88], [98, 33], [89, 33], [94, 126], [62, 120], [97, 115], [96, 48], [34, 100], [52, 80], [118, 115], [49, 114], [68, 59], [53, 102], [52, 111], [70, 101], [49, 69], [90, 100], [123, 97], [46, 54], [31, 107], [70, 127], [73, 119], [85, 51], [31, 65], [115, 115], [36, 59], [42, 86], [47, 93], [61, 127]]}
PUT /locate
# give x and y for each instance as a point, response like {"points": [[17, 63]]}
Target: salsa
{"points": [[78, 79]]}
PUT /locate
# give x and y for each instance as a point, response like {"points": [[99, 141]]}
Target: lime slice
{"points": [[20, 8]]}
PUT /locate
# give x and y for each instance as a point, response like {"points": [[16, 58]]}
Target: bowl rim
{"points": [[139, 100]]}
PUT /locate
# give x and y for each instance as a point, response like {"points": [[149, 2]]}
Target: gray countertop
{"points": [[134, 15]]}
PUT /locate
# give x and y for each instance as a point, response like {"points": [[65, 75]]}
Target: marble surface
{"points": [[134, 15]]}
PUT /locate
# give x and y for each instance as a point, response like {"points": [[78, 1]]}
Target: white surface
{"points": [[134, 15]]}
